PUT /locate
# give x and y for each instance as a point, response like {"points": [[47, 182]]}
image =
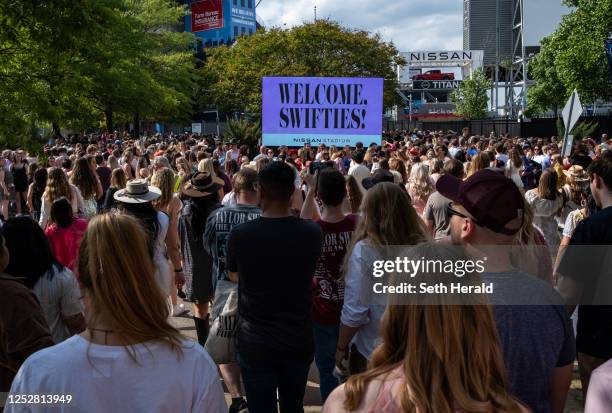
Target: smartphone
{"points": [[315, 166]]}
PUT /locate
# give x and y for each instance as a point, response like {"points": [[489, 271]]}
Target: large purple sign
{"points": [[331, 110]]}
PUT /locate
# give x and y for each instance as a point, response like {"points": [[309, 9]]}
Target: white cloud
{"points": [[409, 24]]}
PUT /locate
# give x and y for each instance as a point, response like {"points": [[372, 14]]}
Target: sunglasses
{"points": [[452, 211]]}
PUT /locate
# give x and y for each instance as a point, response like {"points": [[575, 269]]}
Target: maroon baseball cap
{"points": [[491, 198]]}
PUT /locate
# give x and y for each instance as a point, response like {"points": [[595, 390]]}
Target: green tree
{"points": [[231, 77], [41, 44], [244, 131], [71, 63], [573, 57], [471, 98], [144, 69], [549, 92]]}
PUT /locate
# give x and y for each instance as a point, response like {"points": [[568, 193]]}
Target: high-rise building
{"points": [[220, 21], [480, 30]]}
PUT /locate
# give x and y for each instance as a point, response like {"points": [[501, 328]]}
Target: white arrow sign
{"points": [[572, 111], [571, 114]]}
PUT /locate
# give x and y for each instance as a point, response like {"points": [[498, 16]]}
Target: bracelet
{"points": [[343, 349], [179, 270]]}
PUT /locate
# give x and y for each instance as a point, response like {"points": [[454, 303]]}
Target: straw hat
{"points": [[577, 174], [137, 191], [200, 185]]}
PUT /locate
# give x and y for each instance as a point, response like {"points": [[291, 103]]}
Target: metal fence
{"points": [[535, 127]]}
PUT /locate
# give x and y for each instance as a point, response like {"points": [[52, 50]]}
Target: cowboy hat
{"points": [[577, 173], [200, 185], [137, 191]]}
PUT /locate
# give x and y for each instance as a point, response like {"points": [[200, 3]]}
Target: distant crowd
{"points": [[106, 237]]}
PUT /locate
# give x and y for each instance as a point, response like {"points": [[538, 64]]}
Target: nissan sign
{"points": [[457, 56]]}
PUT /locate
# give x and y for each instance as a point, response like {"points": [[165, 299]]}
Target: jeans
{"points": [[264, 375], [326, 340]]}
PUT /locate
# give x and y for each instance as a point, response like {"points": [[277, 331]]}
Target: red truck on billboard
{"points": [[434, 75]]}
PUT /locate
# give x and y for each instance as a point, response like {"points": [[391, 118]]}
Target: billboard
{"points": [[221, 21], [331, 110], [468, 60], [206, 15]]}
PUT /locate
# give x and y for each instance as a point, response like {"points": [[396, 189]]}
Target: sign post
{"points": [[571, 113]]}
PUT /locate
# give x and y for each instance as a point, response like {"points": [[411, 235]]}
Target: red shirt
{"points": [[65, 242], [327, 288]]}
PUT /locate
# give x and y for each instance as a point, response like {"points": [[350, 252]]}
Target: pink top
{"points": [[65, 242], [599, 396], [388, 400], [382, 395]]}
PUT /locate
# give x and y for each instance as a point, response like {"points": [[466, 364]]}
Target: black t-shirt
{"points": [[588, 260], [275, 259]]}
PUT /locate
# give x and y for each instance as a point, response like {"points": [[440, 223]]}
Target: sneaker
{"points": [[239, 406], [179, 310]]}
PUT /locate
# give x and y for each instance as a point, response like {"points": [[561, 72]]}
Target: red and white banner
{"points": [[206, 15]]}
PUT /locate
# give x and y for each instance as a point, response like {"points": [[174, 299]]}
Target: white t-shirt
{"points": [[106, 379], [163, 272], [59, 298]]}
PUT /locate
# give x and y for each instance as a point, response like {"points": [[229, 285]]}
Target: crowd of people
{"points": [[104, 238]]}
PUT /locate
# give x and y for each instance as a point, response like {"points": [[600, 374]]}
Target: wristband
{"points": [[179, 270], [342, 349]]}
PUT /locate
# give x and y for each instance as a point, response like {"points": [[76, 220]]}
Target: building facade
{"points": [[480, 28]]}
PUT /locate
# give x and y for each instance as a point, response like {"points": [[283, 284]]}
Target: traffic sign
{"points": [[571, 113]]}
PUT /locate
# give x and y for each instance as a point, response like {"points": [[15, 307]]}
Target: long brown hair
{"points": [[396, 164], [515, 158], [388, 218], [449, 354], [57, 185], [84, 178], [118, 178], [547, 187], [353, 192], [163, 179], [115, 267]]}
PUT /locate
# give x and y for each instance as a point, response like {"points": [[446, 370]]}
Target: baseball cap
{"points": [[380, 175], [491, 198]]}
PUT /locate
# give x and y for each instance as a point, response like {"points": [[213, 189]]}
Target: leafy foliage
{"points": [[573, 57], [68, 62], [245, 132], [471, 98], [581, 129], [232, 75]]}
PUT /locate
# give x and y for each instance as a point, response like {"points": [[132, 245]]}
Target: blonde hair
{"points": [[449, 354], [419, 182], [115, 267], [57, 185], [164, 180], [206, 165], [479, 162], [388, 218]]}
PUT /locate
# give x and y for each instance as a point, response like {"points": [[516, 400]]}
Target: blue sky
{"points": [[410, 24]]}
